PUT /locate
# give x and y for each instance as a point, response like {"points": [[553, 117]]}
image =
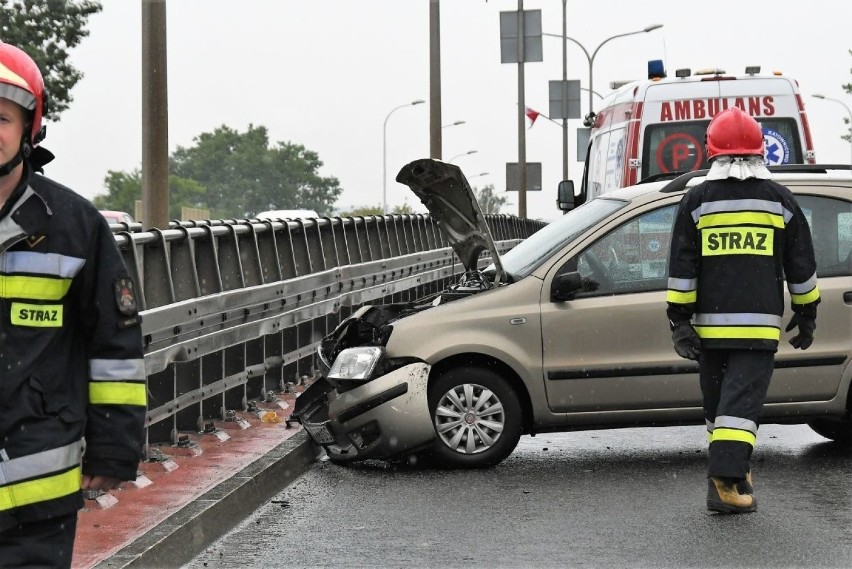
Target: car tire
{"points": [[467, 437], [839, 431]]}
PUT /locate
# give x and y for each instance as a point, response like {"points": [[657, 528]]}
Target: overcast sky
{"points": [[326, 73]]}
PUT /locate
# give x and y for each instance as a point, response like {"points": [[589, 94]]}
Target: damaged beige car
{"points": [[566, 331]]}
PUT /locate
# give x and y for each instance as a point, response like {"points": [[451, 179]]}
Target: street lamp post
{"points": [[848, 111], [462, 154], [385, 153], [456, 123], [591, 58]]}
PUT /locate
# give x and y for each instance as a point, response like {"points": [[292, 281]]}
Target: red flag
{"points": [[532, 115]]}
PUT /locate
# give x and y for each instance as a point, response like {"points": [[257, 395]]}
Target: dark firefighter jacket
{"points": [[71, 361], [734, 241]]}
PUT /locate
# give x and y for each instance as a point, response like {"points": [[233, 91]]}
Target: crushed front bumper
{"points": [[383, 418]]}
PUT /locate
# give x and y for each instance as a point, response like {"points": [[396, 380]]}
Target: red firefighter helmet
{"points": [[733, 132], [21, 82]]}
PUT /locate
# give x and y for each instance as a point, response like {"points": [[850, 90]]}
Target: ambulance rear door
{"points": [[674, 119], [773, 102]]}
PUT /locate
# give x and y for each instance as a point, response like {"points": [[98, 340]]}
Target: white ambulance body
{"points": [[656, 126]]}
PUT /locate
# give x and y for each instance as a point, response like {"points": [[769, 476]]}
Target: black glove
{"points": [[805, 337], [687, 344]]}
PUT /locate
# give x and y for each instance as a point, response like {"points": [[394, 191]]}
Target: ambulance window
{"points": [[781, 140], [673, 147]]}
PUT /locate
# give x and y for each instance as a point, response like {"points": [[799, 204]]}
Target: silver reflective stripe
{"points": [[722, 206], [710, 425], [40, 463], [727, 422], [116, 370], [738, 319], [802, 288], [51, 264], [683, 284]]}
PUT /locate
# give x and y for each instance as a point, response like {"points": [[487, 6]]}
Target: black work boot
{"points": [[746, 486], [724, 496]]}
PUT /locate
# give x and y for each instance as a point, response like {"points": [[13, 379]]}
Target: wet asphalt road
{"points": [[619, 498]]}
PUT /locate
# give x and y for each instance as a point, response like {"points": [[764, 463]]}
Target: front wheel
{"points": [[477, 418], [840, 431]]}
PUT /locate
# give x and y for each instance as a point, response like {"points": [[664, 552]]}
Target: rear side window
{"points": [[830, 221], [679, 146]]}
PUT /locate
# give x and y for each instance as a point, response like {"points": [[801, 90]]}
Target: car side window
{"points": [[632, 258], [830, 221]]}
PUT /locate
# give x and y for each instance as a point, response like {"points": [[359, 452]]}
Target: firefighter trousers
{"points": [[734, 385], [40, 544]]}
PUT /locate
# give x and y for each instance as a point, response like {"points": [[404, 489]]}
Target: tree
{"points": [[243, 175], [124, 189], [377, 210], [363, 211], [489, 202], [47, 30]]}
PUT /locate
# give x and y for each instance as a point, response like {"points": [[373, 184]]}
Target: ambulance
{"points": [[655, 127]]}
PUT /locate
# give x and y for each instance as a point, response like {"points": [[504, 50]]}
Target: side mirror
{"points": [[565, 286], [565, 195]]}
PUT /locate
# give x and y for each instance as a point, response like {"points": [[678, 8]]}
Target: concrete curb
{"points": [[185, 534]]}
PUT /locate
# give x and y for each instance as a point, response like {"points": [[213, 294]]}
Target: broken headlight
{"points": [[357, 364]]}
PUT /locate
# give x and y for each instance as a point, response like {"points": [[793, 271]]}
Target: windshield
{"points": [[532, 251]]}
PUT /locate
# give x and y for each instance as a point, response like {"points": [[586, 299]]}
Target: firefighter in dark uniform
{"points": [[737, 236], [72, 374]]}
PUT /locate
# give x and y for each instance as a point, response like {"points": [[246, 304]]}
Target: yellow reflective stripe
{"points": [[723, 434], [37, 315], [806, 298], [117, 393], [739, 332], [678, 297], [741, 218], [33, 288], [40, 490]]}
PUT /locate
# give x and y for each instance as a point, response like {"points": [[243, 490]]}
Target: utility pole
{"points": [[435, 140], [522, 105], [155, 117]]}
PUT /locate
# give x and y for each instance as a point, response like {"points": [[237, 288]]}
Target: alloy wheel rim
{"points": [[469, 418]]}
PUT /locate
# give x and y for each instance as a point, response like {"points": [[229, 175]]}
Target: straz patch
{"points": [[125, 301], [737, 241], [125, 298], [37, 315]]}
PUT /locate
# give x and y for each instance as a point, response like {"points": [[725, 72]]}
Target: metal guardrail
{"points": [[232, 310]]}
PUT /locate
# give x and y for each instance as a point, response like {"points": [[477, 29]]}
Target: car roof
{"points": [[787, 175]]}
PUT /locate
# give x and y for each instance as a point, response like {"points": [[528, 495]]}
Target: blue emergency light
{"points": [[656, 69]]}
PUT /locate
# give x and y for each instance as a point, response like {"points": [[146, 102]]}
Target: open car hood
{"points": [[446, 193]]}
